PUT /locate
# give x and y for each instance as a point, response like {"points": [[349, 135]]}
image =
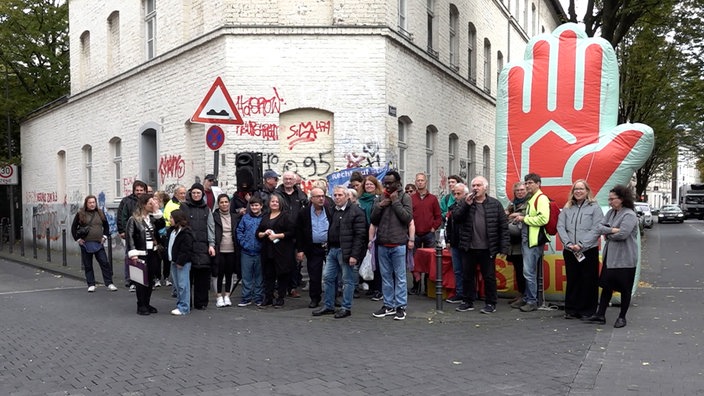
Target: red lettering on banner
{"points": [[560, 275], [501, 282]]}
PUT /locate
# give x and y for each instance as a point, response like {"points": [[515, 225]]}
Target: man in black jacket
{"points": [[124, 211], [311, 241], [483, 235], [347, 245]]}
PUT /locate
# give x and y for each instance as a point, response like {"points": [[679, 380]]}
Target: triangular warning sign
{"points": [[217, 107]]}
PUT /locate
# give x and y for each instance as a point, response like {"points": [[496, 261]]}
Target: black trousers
{"points": [[273, 278], [144, 293], [200, 281], [315, 262], [517, 262], [582, 292], [488, 269]]}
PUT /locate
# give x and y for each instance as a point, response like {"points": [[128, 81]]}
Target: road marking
{"points": [[40, 290]]}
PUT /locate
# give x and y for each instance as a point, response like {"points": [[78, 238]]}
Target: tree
{"points": [[34, 60]]}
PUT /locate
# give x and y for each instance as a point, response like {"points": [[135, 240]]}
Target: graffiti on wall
{"points": [[260, 107], [307, 132], [369, 156], [171, 167], [41, 197]]}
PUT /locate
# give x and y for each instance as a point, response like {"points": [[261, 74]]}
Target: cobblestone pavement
{"points": [[57, 339]]}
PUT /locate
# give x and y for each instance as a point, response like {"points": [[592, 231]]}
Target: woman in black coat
{"points": [[227, 253], [277, 255]]}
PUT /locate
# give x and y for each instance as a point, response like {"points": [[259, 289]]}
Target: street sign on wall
{"points": [[9, 175]]}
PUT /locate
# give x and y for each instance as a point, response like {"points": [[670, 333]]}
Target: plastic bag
{"points": [[365, 269]]}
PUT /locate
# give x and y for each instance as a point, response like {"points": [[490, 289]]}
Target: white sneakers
{"points": [[176, 312], [220, 302], [133, 288], [112, 287], [91, 289], [157, 283], [228, 302]]}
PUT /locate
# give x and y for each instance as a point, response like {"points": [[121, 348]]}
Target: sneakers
{"points": [[168, 283], [400, 313], [465, 306], [489, 308], [518, 304], [176, 312], [245, 303], [454, 300], [384, 311], [133, 288], [91, 289], [529, 307], [377, 296], [112, 287], [220, 302], [227, 301], [157, 283]]}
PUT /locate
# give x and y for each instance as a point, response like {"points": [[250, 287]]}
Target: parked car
{"points": [[641, 220], [647, 214], [670, 213]]}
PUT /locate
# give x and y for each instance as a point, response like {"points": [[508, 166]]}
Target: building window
{"points": [[84, 65], [486, 170], [430, 5], [487, 65], [472, 53], [404, 124], [430, 133], [499, 67], [454, 37], [471, 159], [88, 161], [150, 27], [116, 148], [402, 21], [113, 40], [453, 154]]}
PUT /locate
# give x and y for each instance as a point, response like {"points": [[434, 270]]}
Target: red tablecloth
{"points": [[425, 261]]}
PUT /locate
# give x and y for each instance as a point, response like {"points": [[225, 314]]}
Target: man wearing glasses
{"points": [[391, 215], [311, 241], [532, 242]]}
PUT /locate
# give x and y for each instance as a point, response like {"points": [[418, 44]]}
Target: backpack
{"points": [[551, 226]]}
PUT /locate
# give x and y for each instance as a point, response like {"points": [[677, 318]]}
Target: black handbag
{"points": [[83, 230]]}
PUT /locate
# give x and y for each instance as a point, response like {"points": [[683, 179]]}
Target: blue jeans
{"points": [[392, 263], [105, 267], [457, 269], [532, 258], [252, 281], [182, 285], [350, 273]]}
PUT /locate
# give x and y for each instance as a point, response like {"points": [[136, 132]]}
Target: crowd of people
{"points": [[203, 243]]}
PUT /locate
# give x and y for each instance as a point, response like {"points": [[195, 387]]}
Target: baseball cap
{"points": [[268, 174]]}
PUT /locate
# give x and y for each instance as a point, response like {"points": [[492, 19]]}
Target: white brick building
{"points": [[320, 86]]}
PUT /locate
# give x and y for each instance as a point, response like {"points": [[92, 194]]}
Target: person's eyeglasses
{"points": [[457, 194], [611, 199]]}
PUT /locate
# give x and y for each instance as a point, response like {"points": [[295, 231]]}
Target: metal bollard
{"points": [[21, 241], [34, 242], [12, 237], [63, 248], [48, 245], [438, 277]]}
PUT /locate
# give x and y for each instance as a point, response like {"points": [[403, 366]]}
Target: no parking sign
{"points": [[215, 137]]}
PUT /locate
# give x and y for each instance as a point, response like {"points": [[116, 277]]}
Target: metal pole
{"points": [[12, 233], [34, 242], [22, 241], [438, 277], [9, 156], [48, 245], [63, 248]]}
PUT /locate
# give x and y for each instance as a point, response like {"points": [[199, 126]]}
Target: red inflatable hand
{"points": [[557, 117]]}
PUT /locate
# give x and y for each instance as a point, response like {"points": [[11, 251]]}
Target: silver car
{"points": [[647, 214]]}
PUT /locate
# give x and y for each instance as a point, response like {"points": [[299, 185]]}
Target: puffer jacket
{"points": [[200, 220], [577, 224], [496, 225], [353, 232], [247, 234]]}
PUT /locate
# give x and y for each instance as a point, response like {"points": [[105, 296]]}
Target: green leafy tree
{"points": [[34, 60]]}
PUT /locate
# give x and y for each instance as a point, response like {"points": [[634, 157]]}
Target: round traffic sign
{"points": [[6, 172], [215, 137]]}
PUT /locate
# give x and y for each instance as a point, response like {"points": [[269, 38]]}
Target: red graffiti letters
{"points": [[260, 105], [252, 128], [307, 132], [171, 166]]}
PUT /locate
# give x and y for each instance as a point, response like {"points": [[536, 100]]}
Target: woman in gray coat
{"points": [[620, 228], [576, 226]]}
